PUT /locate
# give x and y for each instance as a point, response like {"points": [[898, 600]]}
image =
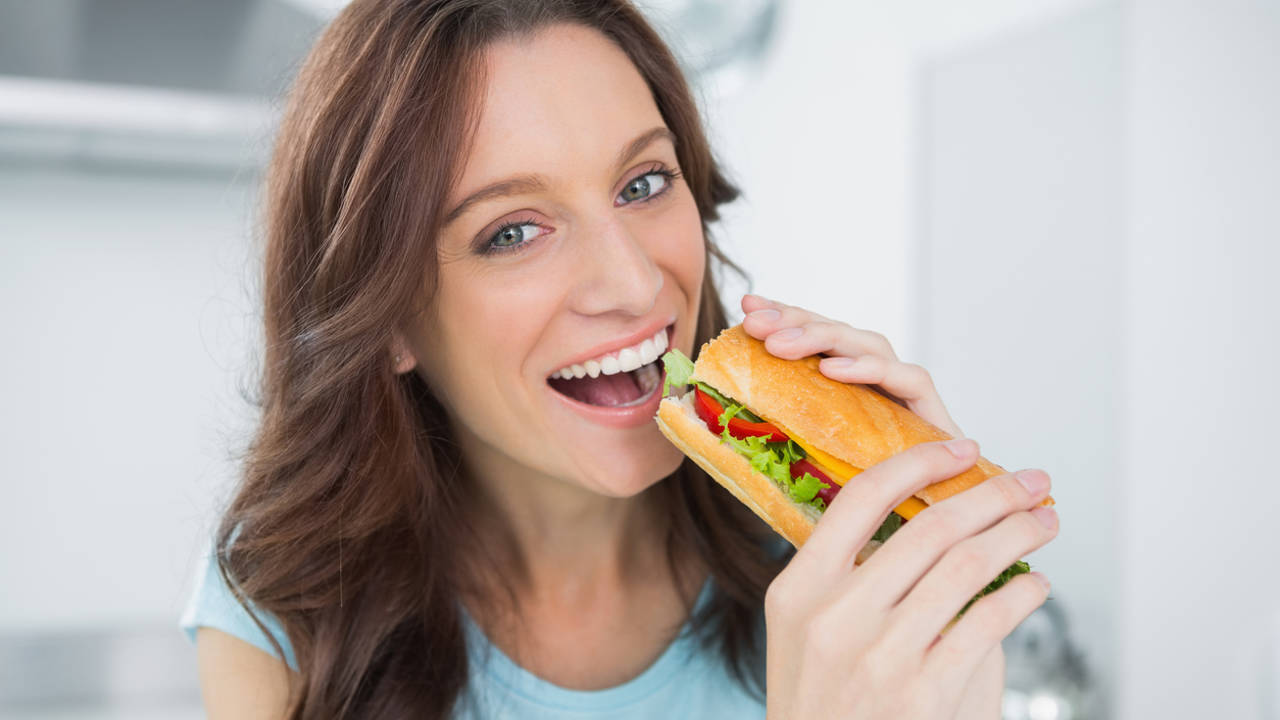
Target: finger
{"points": [[982, 694], [863, 504], [765, 320], [909, 383], [953, 659], [765, 317], [751, 303], [792, 339], [963, 571], [882, 581], [917, 546]]}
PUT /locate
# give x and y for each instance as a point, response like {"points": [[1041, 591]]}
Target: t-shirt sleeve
{"points": [[213, 605]]}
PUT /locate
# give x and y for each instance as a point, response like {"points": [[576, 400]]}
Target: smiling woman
{"points": [[599, 248], [485, 221]]}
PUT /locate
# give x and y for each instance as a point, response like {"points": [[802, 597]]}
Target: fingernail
{"points": [[1034, 481], [765, 315], [789, 333], [1043, 580], [837, 363], [960, 447], [1048, 517]]}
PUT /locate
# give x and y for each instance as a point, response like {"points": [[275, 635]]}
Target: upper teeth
{"points": [[624, 360]]}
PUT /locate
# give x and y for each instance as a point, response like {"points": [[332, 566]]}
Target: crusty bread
{"points": [[850, 422]]}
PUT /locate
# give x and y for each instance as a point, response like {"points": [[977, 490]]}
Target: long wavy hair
{"points": [[346, 525]]}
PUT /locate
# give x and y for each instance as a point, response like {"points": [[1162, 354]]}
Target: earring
{"points": [[397, 359]]}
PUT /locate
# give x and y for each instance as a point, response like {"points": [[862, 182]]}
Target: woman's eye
{"points": [[514, 235], [647, 185]]}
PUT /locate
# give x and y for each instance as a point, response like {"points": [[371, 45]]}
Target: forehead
{"points": [[563, 98]]}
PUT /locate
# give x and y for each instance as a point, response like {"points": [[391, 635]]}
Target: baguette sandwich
{"points": [[783, 438]]}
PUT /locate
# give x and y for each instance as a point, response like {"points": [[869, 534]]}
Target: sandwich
{"points": [[783, 438]]}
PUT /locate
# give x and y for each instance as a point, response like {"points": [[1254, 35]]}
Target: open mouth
{"points": [[622, 389], [613, 387]]}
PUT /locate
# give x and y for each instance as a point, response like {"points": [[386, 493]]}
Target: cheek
{"points": [[678, 243], [488, 326], [491, 328], [474, 344]]}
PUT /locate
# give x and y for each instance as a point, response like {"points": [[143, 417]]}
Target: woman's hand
{"points": [[856, 356], [866, 642]]}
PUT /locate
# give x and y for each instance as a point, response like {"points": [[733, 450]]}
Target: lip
{"points": [[626, 417], [622, 342]]}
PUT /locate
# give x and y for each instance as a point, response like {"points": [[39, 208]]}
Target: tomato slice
{"points": [[710, 410], [802, 466]]}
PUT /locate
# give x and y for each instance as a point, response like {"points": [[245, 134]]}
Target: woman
{"points": [[468, 197]]}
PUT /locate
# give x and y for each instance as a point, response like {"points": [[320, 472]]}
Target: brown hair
{"points": [[346, 525]]}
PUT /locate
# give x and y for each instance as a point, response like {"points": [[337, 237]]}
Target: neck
{"points": [[541, 535]]}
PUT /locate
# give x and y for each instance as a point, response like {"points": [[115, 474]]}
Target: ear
{"points": [[402, 358]]}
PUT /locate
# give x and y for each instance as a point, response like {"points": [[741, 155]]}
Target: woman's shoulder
{"points": [[212, 604]]}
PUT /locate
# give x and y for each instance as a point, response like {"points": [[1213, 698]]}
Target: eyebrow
{"points": [[524, 184]]}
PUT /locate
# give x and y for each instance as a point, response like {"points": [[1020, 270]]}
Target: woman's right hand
{"points": [[865, 642]]}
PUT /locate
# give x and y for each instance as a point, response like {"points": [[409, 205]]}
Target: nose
{"points": [[616, 271]]}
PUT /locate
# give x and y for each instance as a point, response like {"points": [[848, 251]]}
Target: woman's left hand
{"points": [[867, 358], [855, 356]]}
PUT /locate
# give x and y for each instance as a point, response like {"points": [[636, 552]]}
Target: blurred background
{"points": [[1067, 210]]}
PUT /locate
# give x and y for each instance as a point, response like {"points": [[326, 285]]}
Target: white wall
{"points": [[822, 142], [126, 322], [1020, 277], [1098, 248], [1200, 425], [817, 143]]}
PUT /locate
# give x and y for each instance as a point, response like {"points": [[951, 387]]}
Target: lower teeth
{"points": [[647, 377]]}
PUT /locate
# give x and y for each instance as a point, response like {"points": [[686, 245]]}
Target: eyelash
{"points": [[488, 248]]}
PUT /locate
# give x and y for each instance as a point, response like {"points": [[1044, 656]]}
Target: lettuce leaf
{"points": [[805, 489], [771, 458], [679, 371], [888, 527], [740, 411], [774, 460], [1010, 573], [729, 412], [679, 367]]}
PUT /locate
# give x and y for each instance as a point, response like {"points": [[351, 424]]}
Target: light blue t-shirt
{"points": [[686, 681]]}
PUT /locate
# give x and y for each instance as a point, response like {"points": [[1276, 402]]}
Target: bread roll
{"points": [[850, 422]]}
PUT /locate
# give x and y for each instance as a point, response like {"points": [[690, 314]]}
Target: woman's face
{"points": [[588, 249]]}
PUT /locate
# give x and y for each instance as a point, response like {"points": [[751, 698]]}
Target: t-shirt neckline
{"points": [[510, 675]]}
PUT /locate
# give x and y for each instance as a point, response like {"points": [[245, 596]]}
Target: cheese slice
{"points": [[840, 471], [910, 507]]}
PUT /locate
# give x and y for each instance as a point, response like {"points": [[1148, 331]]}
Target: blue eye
{"points": [[649, 185], [512, 236]]}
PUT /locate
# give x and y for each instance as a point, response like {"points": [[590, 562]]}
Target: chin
{"points": [[640, 470]]}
